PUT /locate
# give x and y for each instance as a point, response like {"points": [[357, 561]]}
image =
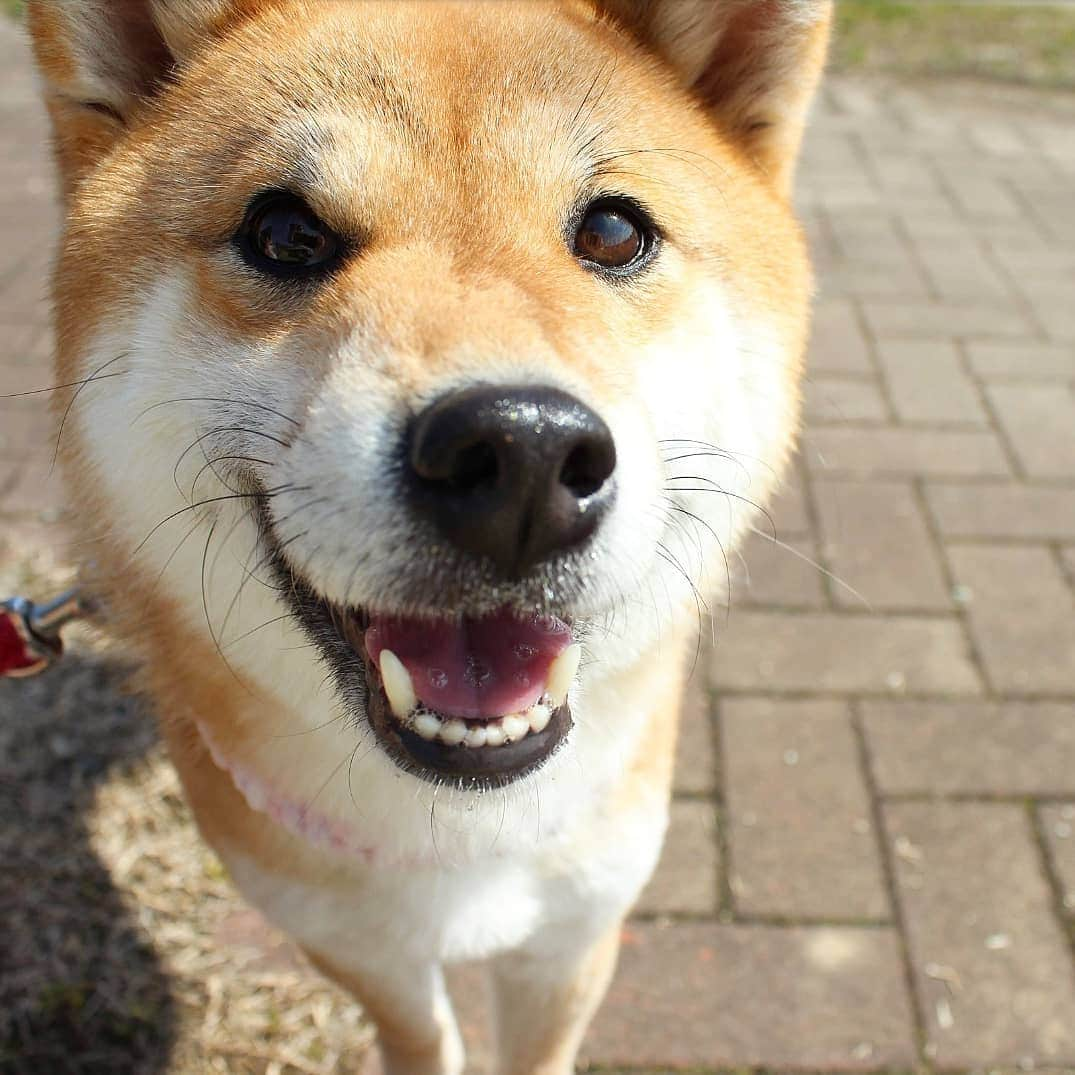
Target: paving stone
{"points": [[837, 343], [938, 229], [24, 294], [980, 195], [875, 540], [899, 451], [869, 237], [993, 973], [839, 399], [945, 748], [1058, 825], [1002, 510], [1002, 359], [696, 764], [822, 653], [27, 428], [1067, 559], [23, 360], [1020, 610], [1039, 420], [801, 836], [29, 490], [927, 382], [729, 996], [964, 276], [772, 574], [999, 139], [1032, 262], [1051, 206], [851, 278], [906, 172], [916, 320], [788, 513], [686, 879]]}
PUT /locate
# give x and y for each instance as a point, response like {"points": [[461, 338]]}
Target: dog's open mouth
{"points": [[480, 699]]}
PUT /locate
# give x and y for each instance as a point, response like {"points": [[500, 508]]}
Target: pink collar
{"points": [[299, 819]]}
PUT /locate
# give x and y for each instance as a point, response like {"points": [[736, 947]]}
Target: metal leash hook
{"points": [[30, 634]]}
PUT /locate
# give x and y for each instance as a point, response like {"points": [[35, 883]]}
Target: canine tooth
{"points": [[477, 736], [515, 726], [494, 735], [562, 673], [427, 725], [540, 715], [397, 685], [453, 732]]}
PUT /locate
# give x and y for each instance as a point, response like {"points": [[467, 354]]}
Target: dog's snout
{"points": [[514, 474]]}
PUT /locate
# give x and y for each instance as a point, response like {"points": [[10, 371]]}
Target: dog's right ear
{"points": [[754, 65], [104, 60]]}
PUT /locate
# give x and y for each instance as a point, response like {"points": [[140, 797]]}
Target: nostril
{"points": [[475, 467], [587, 467]]}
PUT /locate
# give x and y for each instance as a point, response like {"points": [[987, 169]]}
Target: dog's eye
{"points": [[281, 233], [612, 235]]}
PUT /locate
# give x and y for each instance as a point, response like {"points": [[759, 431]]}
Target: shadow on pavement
{"points": [[81, 989]]}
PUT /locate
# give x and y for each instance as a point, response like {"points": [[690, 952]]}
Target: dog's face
{"points": [[444, 348]]}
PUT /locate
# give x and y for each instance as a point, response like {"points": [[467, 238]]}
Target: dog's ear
{"points": [[754, 63], [103, 60]]}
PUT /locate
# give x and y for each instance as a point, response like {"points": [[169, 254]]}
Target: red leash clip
{"points": [[30, 634]]}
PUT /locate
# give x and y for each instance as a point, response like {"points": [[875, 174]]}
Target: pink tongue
{"points": [[487, 667]]}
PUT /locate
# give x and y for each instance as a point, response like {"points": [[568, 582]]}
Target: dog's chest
{"points": [[471, 912]]}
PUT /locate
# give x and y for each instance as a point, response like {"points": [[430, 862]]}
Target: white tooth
{"points": [[562, 674], [453, 732], [397, 685], [494, 735], [477, 736], [540, 715], [515, 727], [427, 725]]}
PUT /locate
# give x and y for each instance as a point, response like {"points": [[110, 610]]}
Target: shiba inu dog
{"points": [[431, 359]]}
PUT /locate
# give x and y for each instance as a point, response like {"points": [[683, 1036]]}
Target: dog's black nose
{"points": [[513, 474]]}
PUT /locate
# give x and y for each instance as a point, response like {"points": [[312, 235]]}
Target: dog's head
{"points": [[446, 344]]}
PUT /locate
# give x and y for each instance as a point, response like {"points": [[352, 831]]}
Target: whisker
{"points": [[203, 503], [731, 496], [253, 631], [208, 619], [69, 384], [218, 399], [813, 563], [71, 402], [213, 433], [210, 464]]}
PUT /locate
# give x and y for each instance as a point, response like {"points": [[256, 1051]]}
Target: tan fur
{"points": [[405, 124]]}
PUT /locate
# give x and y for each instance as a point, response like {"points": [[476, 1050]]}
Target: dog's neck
{"points": [[296, 817]]}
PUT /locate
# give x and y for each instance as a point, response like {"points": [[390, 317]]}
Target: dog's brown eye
{"points": [[283, 234], [611, 235]]}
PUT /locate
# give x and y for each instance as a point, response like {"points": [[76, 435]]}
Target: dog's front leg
{"points": [[416, 1028], [546, 996]]}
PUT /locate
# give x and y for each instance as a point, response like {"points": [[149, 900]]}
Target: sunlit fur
{"points": [[453, 142]]}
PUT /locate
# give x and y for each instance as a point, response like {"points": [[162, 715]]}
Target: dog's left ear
{"points": [[104, 61], [754, 63]]}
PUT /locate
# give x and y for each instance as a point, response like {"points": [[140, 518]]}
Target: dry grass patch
{"points": [[1030, 44]]}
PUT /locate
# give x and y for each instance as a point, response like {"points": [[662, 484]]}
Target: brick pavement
{"points": [[872, 856]]}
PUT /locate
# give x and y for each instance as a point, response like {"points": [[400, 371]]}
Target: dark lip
{"points": [[337, 633]]}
